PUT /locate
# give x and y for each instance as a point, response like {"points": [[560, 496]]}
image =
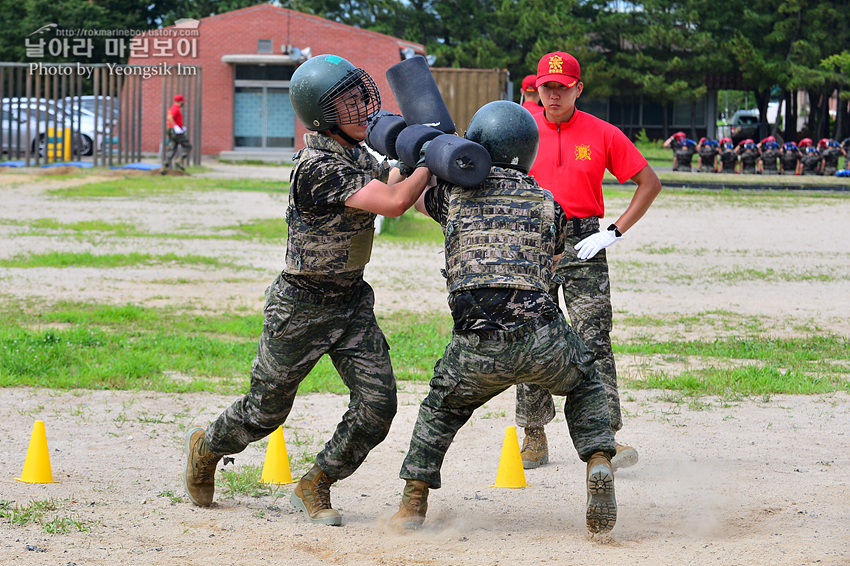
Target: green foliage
{"points": [[47, 513]]}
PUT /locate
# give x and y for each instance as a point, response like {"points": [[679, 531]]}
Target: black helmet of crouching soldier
{"points": [[508, 132], [328, 91]]}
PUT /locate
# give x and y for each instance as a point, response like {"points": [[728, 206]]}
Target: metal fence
{"points": [[74, 112]]}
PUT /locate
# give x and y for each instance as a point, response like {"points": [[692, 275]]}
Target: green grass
{"points": [[412, 226], [90, 346], [140, 186], [245, 480], [755, 365], [130, 347], [88, 259], [47, 513]]}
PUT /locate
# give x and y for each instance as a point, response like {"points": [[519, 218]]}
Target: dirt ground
{"points": [[751, 482]]}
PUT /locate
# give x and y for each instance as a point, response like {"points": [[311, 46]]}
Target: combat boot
{"points": [[179, 165], [199, 477], [626, 457], [313, 496], [414, 505], [601, 504], [535, 448]]}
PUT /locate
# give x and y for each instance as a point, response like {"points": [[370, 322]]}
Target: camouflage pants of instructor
{"points": [[587, 294], [296, 334], [175, 141], [474, 370]]}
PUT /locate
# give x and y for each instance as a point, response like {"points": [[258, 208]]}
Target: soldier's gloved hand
{"points": [[591, 245], [404, 168], [421, 162]]}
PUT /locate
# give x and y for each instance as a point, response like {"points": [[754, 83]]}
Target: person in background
{"points": [[728, 157], [831, 153], [789, 159], [708, 151], [177, 136], [575, 151], [811, 162], [530, 96], [749, 154], [845, 145], [683, 151], [769, 158]]}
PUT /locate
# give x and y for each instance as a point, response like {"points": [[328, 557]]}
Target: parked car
{"points": [[44, 114], [744, 124]]}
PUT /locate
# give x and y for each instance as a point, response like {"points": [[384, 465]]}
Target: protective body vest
{"points": [[769, 159], [330, 247], [811, 163], [707, 156], [831, 156], [500, 233], [728, 158], [748, 160]]}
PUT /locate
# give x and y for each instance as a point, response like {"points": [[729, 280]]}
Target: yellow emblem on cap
{"points": [[556, 64], [583, 152]]}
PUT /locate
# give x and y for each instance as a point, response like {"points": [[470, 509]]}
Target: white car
{"points": [[44, 114]]}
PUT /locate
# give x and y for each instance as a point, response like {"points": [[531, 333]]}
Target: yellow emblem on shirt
{"points": [[556, 64], [583, 152]]}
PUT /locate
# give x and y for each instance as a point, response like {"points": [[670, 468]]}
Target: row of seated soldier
{"points": [[767, 157]]}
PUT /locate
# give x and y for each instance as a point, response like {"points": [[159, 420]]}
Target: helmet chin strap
{"points": [[335, 130]]}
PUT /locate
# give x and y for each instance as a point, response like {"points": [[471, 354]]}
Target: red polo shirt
{"points": [[176, 115], [532, 107], [573, 157]]}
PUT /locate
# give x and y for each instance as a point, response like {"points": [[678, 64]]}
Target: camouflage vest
{"points": [[500, 234], [336, 247]]}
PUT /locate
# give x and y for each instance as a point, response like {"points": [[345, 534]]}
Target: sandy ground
{"points": [[756, 481]]}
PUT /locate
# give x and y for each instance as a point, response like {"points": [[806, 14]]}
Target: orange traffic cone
{"points": [[276, 467], [510, 474], [37, 464]]}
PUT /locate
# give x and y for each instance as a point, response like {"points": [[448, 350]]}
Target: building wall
{"points": [[238, 32]]}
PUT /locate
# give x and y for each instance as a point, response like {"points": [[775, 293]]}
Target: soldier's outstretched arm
{"points": [[390, 200]]}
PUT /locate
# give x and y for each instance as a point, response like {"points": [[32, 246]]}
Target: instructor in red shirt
{"points": [[575, 150]]}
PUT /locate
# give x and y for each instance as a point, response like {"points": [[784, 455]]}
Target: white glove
{"points": [[177, 129], [591, 245]]}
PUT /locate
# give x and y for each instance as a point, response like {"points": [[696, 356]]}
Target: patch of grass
{"points": [[245, 480], [88, 259], [264, 229], [46, 513], [141, 186], [79, 345], [412, 226], [752, 365], [174, 499]]}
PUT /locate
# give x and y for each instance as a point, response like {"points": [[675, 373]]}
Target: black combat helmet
{"points": [[327, 91], [508, 132]]}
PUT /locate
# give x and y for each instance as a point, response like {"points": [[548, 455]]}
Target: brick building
{"points": [[247, 58]]}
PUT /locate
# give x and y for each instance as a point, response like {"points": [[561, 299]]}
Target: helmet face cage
{"points": [[353, 100]]}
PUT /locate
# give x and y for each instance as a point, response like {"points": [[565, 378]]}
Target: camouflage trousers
{"points": [[296, 334], [474, 370], [175, 141], [587, 294]]}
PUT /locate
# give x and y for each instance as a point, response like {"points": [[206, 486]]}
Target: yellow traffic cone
{"points": [[276, 467], [37, 464], [510, 474]]}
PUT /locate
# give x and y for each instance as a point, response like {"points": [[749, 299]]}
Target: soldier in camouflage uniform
{"points": [[769, 157], [507, 328], [575, 151], [320, 303], [832, 153], [708, 151], [749, 155], [789, 158], [728, 156]]}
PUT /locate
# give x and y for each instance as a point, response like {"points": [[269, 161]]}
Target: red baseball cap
{"points": [[559, 67], [179, 98], [529, 83]]}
